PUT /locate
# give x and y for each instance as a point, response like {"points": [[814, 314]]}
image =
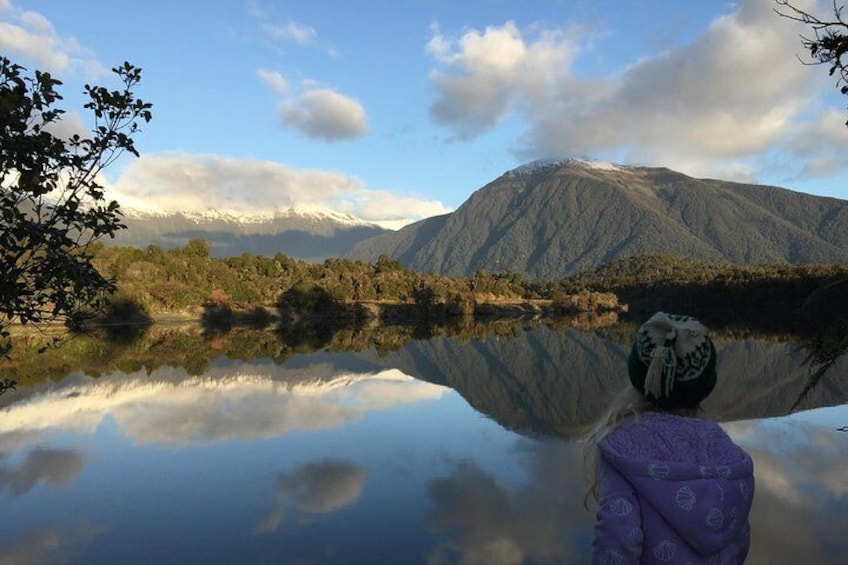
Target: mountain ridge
{"points": [[311, 234], [235, 216], [553, 219]]}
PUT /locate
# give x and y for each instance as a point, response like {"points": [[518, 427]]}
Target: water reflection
{"points": [[237, 402], [318, 487], [53, 467], [367, 456], [482, 519], [802, 489], [557, 383], [63, 544], [798, 514]]}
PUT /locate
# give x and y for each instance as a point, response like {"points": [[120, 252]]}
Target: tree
{"points": [[197, 248], [828, 46], [52, 205], [829, 42]]}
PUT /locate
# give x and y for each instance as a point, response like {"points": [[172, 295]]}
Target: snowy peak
{"points": [[312, 233], [542, 164], [545, 221], [301, 212]]}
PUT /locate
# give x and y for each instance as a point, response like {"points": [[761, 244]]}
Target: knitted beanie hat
{"points": [[673, 361]]}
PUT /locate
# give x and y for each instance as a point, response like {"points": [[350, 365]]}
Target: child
{"points": [[671, 488]]}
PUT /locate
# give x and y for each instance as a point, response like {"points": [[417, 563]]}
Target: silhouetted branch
{"points": [[829, 45], [825, 349]]}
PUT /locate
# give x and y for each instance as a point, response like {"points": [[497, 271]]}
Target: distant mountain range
{"points": [[554, 218], [544, 220], [309, 234]]}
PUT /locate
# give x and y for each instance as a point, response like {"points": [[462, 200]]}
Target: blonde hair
{"points": [[629, 403]]}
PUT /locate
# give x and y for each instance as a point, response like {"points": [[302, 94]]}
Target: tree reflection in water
{"points": [[550, 376], [311, 444], [824, 350]]}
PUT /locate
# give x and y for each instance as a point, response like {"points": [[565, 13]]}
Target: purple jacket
{"points": [[672, 490]]}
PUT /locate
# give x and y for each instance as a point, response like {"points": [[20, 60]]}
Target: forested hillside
{"points": [[562, 218], [188, 279]]}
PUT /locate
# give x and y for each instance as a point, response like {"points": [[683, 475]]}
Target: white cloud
{"points": [[273, 79], [485, 75], [730, 94], [196, 183], [203, 182], [716, 105], [822, 143], [69, 124], [292, 31], [32, 37], [325, 114], [37, 23], [390, 210], [317, 112]]}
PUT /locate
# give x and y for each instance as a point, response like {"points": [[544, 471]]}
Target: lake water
{"points": [[445, 450]]}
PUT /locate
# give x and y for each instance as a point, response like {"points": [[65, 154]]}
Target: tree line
{"points": [[779, 295], [181, 280]]}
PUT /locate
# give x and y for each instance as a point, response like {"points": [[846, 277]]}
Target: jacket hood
{"points": [[698, 481]]}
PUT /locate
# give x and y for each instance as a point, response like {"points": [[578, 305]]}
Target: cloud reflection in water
{"points": [[801, 498], [64, 544], [482, 520], [170, 409], [55, 467], [487, 505], [798, 515], [318, 487]]}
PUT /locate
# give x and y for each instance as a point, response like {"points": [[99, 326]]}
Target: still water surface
{"points": [[442, 451]]}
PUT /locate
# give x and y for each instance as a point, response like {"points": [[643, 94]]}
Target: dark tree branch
{"points": [[51, 206], [829, 43]]}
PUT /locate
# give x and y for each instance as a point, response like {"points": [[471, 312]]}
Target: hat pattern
{"points": [[692, 346], [673, 360]]}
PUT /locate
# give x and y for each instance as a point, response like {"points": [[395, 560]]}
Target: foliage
{"points": [[187, 279], [583, 301], [829, 42], [193, 349], [652, 271], [306, 296], [765, 297], [176, 281], [52, 206]]}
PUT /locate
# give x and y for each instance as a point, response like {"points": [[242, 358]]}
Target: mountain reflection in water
{"points": [[364, 457]]}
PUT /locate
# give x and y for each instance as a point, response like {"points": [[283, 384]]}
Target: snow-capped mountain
{"points": [[549, 219], [304, 232], [542, 164], [300, 212]]}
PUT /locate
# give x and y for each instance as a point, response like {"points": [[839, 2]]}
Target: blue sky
{"points": [[400, 110]]}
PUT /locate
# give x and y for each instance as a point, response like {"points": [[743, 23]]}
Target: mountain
{"points": [[540, 381], [310, 234], [560, 382], [555, 218]]}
